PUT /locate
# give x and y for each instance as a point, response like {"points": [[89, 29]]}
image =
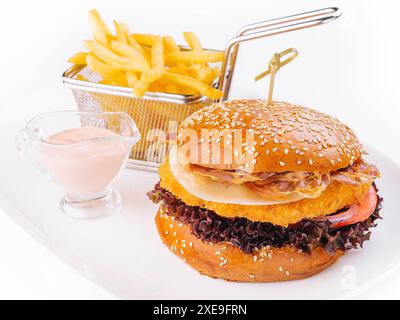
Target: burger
{"points": [[256, 193]]}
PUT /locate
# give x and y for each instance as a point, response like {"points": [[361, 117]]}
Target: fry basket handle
{"points": [[266, 29]]}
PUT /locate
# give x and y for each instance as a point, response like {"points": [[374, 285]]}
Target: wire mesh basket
{"points": [[154, 112]]}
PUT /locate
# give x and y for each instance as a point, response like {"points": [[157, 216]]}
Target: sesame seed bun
{"points": [[336, 196], [286, 137], [223, 260]]}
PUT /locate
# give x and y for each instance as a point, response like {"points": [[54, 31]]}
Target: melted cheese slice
{"points": [[206, 189]]}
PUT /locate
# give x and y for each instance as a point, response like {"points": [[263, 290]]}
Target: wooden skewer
{"points": [[274, 66]]}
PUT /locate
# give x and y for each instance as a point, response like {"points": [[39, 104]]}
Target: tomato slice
{"points": [[357, 212]]}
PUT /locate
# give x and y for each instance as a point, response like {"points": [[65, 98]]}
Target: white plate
{"points": [[124, 254]]}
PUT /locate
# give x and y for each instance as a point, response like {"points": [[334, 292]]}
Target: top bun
{"points": [[283, 137]]}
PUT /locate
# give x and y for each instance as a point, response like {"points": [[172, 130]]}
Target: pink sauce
{"points": [[84, 161]]}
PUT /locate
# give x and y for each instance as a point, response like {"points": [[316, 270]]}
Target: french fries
{"points": [[192, 41], [117, 61], [156, 71], [126, 50], [145, 39], [106, 71], [148, 62], [195, 84], [78, 58], [157, 54], [81, 78], [126, 36], [132, 78], [100, 31], [170, 44], [202, 72], [145, 80], [207, 74], [194, 56]]}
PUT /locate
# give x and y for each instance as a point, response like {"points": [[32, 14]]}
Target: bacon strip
{"points": [[226, 177], [359, 172], [287, 185]]}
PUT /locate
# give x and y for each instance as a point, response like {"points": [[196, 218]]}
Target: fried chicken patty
{"points": [[336, 196]]}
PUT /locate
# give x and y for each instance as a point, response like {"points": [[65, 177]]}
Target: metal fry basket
{"points": [[155, 112]]}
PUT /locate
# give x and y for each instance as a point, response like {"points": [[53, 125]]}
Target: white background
{"points": [[348, 68]]}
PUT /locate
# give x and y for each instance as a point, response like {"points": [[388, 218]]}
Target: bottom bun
{"points": [[223, 260]]}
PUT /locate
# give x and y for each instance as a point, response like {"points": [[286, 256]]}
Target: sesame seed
{"points": [[281, 163], [274, 123], [171, 225], [217, 252], [310, 162], [280, 269], [286, 151], [252, 275], [298, 162], [287, 273], [255, 258]]}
